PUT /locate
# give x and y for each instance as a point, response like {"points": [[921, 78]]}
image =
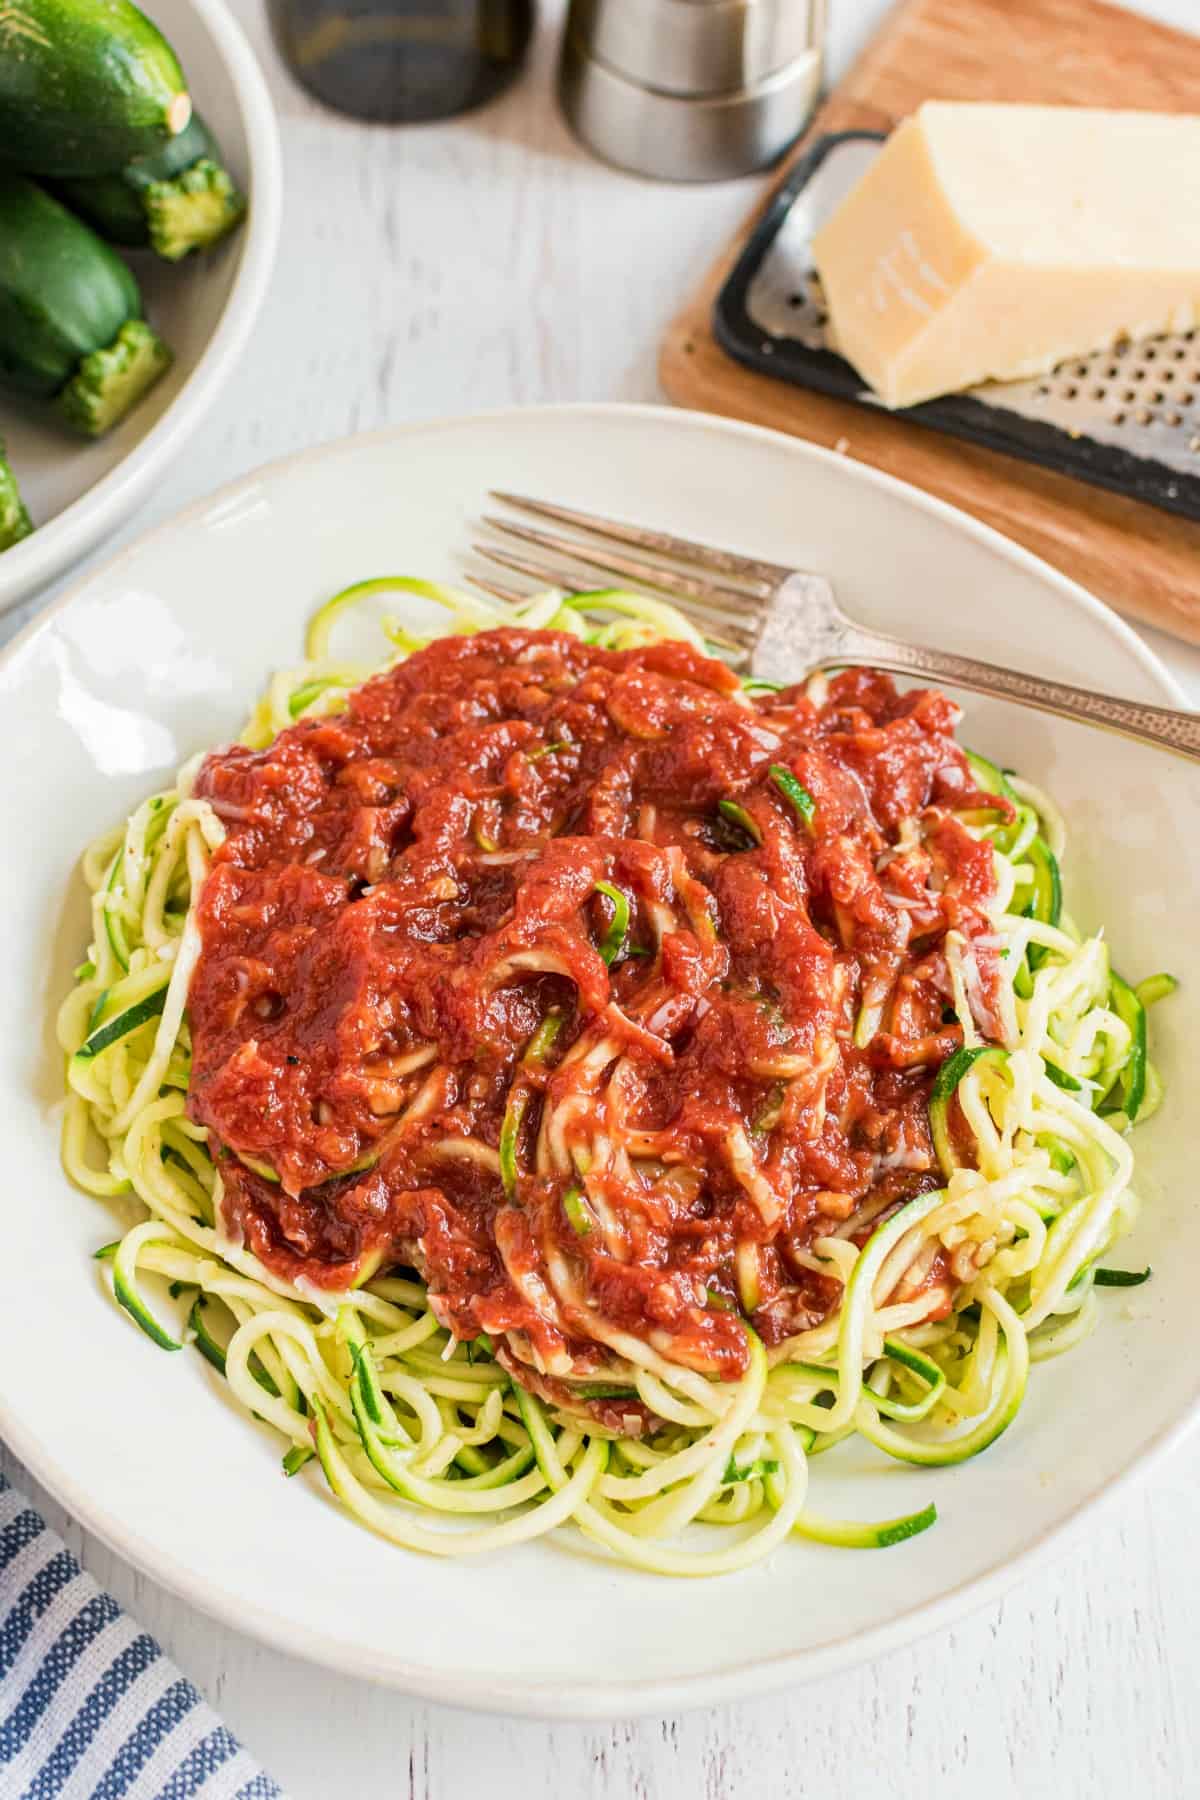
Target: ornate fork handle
{"points": [[1167, 726]]}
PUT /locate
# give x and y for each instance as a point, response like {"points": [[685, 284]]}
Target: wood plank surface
{"points": [[1137, 557]]}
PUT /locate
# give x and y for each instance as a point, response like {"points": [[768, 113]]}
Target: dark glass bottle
{"points": [[403, 61]]}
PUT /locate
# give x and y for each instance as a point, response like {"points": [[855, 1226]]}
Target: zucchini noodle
{"points": [[429, 1441]]}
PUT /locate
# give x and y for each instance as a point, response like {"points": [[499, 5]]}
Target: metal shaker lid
{"points": [[691, 90], [695, 47]]}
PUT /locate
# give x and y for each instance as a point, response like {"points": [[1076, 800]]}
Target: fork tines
{"points": [[763, 576], [727, 614]]}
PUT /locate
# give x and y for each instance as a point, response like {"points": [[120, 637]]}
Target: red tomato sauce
{"points": [[408, 889]]}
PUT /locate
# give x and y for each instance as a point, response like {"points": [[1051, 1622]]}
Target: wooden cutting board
{"points": [[1142, 560]]}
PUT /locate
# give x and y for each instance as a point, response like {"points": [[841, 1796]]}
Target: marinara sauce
{"points": [[409, 889]]}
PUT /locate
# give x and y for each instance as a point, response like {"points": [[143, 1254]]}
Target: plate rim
{"points": [[545, 1698], [55, 546]]}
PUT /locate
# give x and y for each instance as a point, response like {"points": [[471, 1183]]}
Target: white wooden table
{"points": [[489, 262]]}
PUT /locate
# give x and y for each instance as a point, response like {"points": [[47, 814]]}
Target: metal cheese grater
{"points": [[1127, 419], [691, 90]]}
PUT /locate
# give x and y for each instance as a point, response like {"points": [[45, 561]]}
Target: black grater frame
{"points": [[990, 424]]}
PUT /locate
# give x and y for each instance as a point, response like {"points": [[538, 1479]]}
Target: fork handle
{"points": [[1166, 726]]}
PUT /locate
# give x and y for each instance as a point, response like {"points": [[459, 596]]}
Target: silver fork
{"points": [[777, 623]]}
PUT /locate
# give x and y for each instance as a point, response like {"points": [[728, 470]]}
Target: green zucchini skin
{"points": [[109, 206], [63, 293], [70, 314], [171, 159], [85, 86], [944, 1088], [179, 198], [113, 204]]}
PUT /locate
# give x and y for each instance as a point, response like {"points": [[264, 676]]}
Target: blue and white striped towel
{"points": [[90, 1708]]}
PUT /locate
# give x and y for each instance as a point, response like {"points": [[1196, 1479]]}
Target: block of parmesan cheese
{"points": [[988, 242]]}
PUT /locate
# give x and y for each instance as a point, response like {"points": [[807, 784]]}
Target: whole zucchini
{"points": [[14, 520], [70, 313], [85, 86], [179, 198]]}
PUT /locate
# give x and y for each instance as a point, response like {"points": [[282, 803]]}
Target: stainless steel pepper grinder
{"points": [[691, 90]]}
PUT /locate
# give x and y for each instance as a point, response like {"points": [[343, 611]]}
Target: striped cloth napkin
{"points": [[90, 1708]]}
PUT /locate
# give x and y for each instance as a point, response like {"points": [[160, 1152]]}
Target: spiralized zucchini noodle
{"points": [[429, 1440]]}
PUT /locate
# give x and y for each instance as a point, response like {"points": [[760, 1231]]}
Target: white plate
{"points": [[204, 308], [161, 653]]}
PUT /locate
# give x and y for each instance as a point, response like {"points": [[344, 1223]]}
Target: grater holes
{"points": [[1120, 393], [807, 315], [1131, 387]]}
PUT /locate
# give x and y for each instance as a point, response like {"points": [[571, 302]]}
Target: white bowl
{"points": [[160, 654], [204, 308]]}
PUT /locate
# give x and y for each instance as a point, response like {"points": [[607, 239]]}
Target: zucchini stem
{"points": [[192, 211], [15, 522], [109, 383]]}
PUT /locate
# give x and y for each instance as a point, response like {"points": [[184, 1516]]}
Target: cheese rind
{"points": [[989, 242]]}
